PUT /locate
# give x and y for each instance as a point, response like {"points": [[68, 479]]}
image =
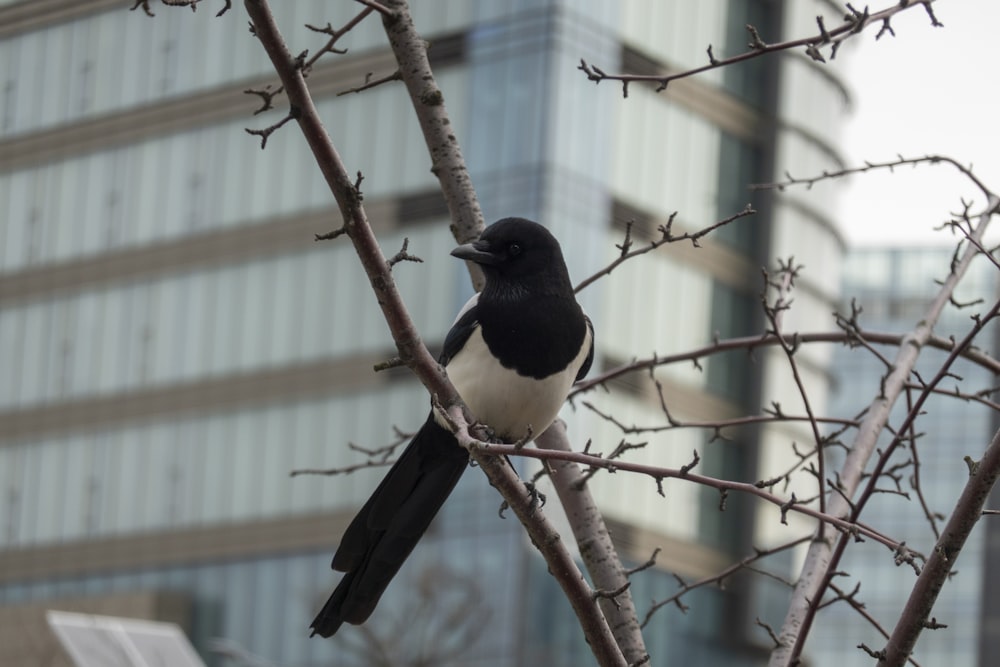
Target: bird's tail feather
{"points": [[390, 524]]}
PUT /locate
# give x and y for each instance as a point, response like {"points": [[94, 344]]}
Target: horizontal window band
{"points": [[175, 547], [313, 377], [200, 108], [215, 247]]}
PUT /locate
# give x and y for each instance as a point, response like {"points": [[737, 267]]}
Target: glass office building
{"points": [[173, 343], [894, 286]]}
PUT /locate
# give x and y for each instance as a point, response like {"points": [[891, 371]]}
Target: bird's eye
{"points": [[514, 249]]}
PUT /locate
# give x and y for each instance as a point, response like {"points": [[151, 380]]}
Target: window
{"points": [[733, 314], [754, 80], [740, 164]]}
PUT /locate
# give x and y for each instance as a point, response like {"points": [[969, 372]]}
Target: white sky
{"points": [[928, 90]]}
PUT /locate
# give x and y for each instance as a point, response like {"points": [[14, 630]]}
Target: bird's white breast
{"points": [[504, 400]]}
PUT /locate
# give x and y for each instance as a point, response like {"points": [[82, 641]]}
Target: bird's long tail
{"points": [[390, 524]]}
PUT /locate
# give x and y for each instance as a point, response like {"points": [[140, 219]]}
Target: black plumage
{"points": [[513, 354]]}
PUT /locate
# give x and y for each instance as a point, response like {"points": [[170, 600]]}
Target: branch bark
{"points": [[596, 548], [447, 162]]}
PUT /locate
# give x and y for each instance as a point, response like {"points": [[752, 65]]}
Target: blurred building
{"points": [[173, 343], [894, 286]]}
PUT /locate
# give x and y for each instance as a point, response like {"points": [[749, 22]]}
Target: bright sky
{"points": [[928, 90]]}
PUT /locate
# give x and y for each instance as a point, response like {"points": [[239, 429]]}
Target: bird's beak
{"points": [[475, 252]]}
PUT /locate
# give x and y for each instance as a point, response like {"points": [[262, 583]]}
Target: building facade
{"points": [[894, 286], [173, 343]]}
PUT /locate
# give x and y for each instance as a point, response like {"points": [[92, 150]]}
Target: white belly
{"points": [[503, 400]]}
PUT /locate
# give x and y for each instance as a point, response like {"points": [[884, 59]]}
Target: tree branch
{"points": [[854, 23], [750, 343], [666, 236], [816, 568], [408, 343], [854, 529], [869, 166], [448, 165], [941, 562], [594, 541], [447, 162]]}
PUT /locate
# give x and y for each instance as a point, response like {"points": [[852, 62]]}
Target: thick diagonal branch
{"points": [[969, 508], [594, 542], [411, 348], [447, 162]]}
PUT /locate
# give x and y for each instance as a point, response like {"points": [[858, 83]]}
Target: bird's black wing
{"points": [[465, 324], [390, 524], [582, 373], [398, 512]]}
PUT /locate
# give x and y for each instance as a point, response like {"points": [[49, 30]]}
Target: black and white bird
{"points": [[513, 354]]}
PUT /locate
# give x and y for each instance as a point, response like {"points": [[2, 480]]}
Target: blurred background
{"points": [[173, 343]]}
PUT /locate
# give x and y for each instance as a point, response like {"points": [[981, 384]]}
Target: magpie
{"points": [[512, 354]]}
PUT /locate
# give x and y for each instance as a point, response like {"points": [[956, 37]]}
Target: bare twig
{"points": [[718, 578], [869, 166], [750, 343], [266, 132], [657, 473], [666, 236], [713, 424], [859, 607], [774, 313], [372, 83], [335, 36], [854, 23], [403, 255], [266, 96], [344, 470]]}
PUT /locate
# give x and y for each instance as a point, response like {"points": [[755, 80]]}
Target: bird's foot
{"points": [[537, 497]]}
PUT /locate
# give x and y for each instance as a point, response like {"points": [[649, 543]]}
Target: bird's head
{"points": [[518, 252]]}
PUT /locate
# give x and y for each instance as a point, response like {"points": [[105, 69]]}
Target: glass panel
{"points": [[733, 314], [109, 342], [258, 338], [144, 199], [278, 434], [85, 347], [753, 80], [287, 309], [33, 347], [44, 516], [12, 323], [74, 488], [229, 329], [127, 480], [740, 164], [8, 86], [218, 456], [16, 221], [13, 478], [159, 498]]}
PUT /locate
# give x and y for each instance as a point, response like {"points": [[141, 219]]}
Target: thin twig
{"points": [[869, 166], [853, 24]]}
